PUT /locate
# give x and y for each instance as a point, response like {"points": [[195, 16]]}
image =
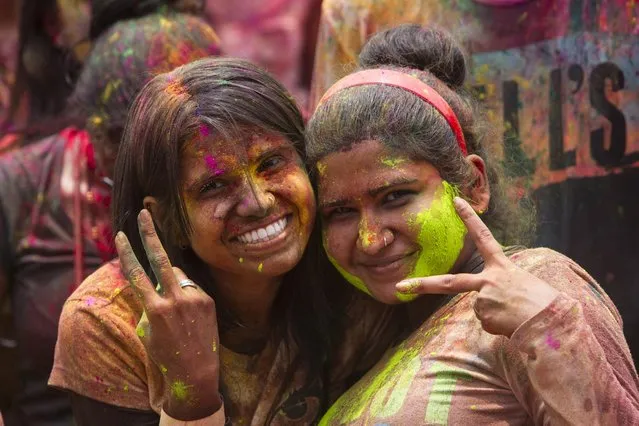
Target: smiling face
{"points": [[386, 218], [249, 202]]}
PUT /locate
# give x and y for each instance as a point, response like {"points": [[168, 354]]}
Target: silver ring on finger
{"points": [[187, 283]]}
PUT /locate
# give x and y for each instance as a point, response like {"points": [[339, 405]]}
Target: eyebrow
{"points": [[372, 192]]}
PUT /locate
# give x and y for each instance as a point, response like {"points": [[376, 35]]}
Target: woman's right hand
{"points": [[178, 327]]}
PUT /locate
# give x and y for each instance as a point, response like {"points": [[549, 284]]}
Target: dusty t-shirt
{"points": [[568, 364], [55, 229], [99, 355], [559, 80]]}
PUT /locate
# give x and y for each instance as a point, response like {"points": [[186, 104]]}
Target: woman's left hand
{"points": [[508, 296]]}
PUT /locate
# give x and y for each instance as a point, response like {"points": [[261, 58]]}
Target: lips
{"points": [[387, 265]]}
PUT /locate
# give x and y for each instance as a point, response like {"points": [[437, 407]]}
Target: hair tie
{"points": [[408, 83]]}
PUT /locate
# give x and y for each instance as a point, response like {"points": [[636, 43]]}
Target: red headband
{"points": [[408, 83]]}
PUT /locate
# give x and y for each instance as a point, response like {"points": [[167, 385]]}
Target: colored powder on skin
{"points": [[321, 168], [163, 369], [211, 163], [204, 130], [241, 260], [366, 237], [260, 267], [393, 161], [441, 237], [352, 279], [140, 331], [180, 390], [214, 346]]}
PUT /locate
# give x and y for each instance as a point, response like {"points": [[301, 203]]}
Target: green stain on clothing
{"points": [[383, 391], [441, 235], [180, 390], [441, 394]]}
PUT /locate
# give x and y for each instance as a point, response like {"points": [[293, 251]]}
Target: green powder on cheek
{"points": [[441, 237], [356, 281]]}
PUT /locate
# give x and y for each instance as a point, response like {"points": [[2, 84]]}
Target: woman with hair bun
{"points": [[412, 207], [55, 193]]}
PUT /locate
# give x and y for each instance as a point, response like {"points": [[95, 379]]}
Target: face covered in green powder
{"points": [[386, 218]]}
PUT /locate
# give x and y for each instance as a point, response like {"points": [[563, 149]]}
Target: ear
{"points": [[152, 205], [478, 191]]}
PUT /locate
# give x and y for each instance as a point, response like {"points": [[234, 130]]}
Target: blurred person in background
{"points": [[42, 54], [559, 79], [55, 193], [279, 35]]}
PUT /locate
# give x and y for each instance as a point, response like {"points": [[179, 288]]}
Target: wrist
{"points": [[198, 407], [192, 399]]}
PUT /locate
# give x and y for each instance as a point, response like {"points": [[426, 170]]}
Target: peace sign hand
{"points": [[508, 296], [178, 328]]}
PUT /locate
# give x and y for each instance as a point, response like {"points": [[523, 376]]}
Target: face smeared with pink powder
{"points": [[250, 203]]}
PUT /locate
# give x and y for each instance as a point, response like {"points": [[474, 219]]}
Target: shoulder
{"points": [[98, 353], [569, 278]]}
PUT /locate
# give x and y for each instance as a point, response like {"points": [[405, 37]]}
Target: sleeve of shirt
{"points": [[574, 363], [98, 353]]}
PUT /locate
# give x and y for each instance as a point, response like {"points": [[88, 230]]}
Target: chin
{"points": [[281, 263], [388, 294]]}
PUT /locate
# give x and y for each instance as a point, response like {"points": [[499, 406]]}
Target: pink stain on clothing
{"points": [[90, 301], [552, 342]]}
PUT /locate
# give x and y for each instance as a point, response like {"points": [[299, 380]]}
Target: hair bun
{"points": [[414, 46], [105, 13]]}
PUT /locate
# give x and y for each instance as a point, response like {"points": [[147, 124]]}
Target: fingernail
{"points": [[458, 202], [119, 237], [144, 216], [407, 286]]}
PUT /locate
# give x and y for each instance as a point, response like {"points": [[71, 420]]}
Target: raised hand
{"points": [[178, 328], [508, 295]]}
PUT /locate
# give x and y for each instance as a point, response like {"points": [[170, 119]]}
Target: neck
{"points": [[251, 299]]}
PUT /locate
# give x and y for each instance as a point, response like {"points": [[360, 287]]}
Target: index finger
{"points": [[133, 271], [441, 284], [156, 254], [487, 245]]}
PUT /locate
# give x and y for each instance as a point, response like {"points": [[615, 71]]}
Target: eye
{"points": [[339, 213], [213, 185], [397, 198], [271, 164]]}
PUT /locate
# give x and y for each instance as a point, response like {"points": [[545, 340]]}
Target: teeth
{"points": [[264, 234]]}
